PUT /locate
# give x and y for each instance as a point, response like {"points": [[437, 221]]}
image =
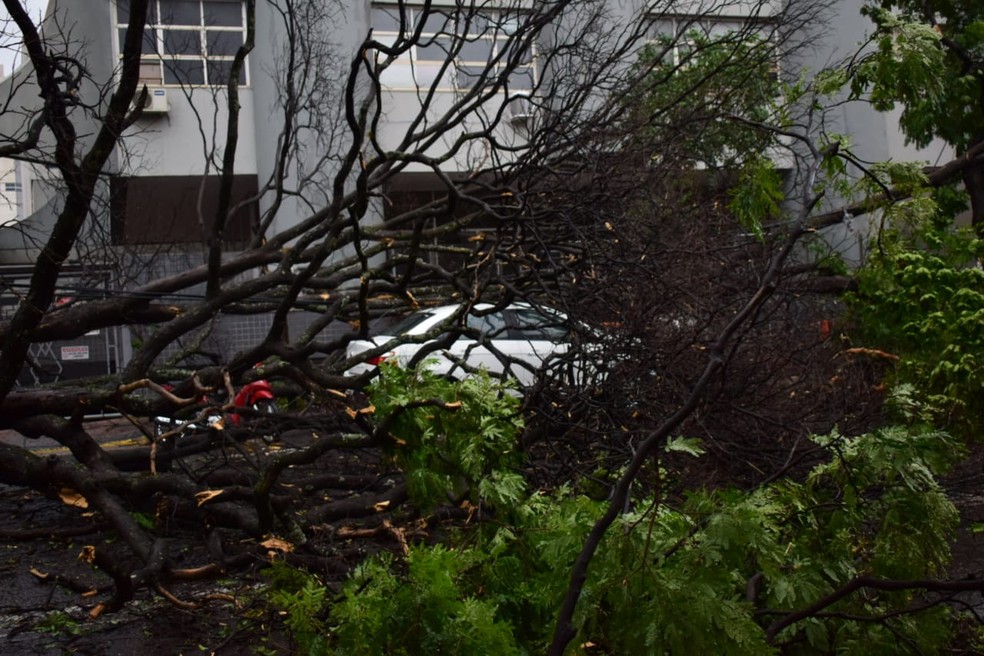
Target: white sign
{"points": [[75, 353]]}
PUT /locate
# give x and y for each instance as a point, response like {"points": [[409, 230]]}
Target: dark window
{"points": [[405, 325], [419, 203], [183, 72], [219, 72], [530, 324], [164, 209], [182, 42], [223, 43], [181, 12], [227, 14], [489, 325]]}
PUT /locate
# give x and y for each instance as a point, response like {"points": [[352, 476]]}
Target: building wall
{"points": [[874, 136], [11, 192]]}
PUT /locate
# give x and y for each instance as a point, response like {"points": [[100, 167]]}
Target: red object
{"points": [[251, 395]]}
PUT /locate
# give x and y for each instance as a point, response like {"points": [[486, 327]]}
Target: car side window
{"points": [[530, 324], [488, 325], [402, 326]]}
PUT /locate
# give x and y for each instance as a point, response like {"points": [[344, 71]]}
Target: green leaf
{"points": [[689, 445]]}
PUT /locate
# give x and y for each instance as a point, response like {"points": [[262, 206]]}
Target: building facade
{"points": [[160, 192]]}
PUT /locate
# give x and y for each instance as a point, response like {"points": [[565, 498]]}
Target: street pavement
{"points": [[108, 431]]}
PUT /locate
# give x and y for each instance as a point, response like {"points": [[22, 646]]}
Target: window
{"points": [[12, 187], [188, 41], [685, 34], [404, 326], [530, 324], [478, 40], [492, 326], [724, 67], [165, 209], [690, 37]]}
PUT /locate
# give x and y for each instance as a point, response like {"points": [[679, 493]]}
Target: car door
{"points": [[535, 338], [492, 331]]}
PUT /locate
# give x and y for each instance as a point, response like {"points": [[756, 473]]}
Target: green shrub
{"points": [[708, 575], [454, 440]]}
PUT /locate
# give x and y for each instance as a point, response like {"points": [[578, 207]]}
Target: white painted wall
{"points": [[180, 141], [11, 192]]}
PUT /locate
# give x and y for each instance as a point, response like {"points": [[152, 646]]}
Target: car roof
{"points": [[439, 313]]}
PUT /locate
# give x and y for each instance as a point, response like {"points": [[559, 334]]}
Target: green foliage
{"points": [[921, 297], [301, 598], [689, 445], [704, 576], [704, 98], [433, 609], [757, 194], [906, 62], [461, 444], [908, 178], [926, 69], [59, 623], [145, 520]]}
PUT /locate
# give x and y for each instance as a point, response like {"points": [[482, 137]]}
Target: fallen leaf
{"points": [[38, 573], [88, 554], [97, 610], [90, 593], [276, 544], [353, 413], [204, 497], [381, 506], [72, 498]]}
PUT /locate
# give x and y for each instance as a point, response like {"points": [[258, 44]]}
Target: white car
{"points": [[515, 342]]}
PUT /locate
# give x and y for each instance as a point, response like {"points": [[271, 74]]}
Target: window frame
{"points": [[410, 71], [154, 52], [686, 26]]}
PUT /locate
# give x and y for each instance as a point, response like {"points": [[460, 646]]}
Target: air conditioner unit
{"points": [[155, 102], [519, 109]]}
